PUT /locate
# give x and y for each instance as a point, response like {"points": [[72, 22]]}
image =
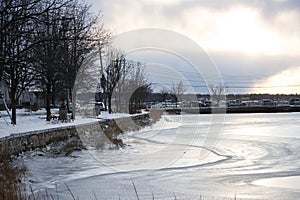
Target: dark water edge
{"points": [[232, 110]]}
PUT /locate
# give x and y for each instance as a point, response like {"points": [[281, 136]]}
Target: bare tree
{"points": [[16, 42], [113, 72], [19, 14], [87, 76], [102, 38], [44, 41], [164, 94], [177, 91], [64, 34], [48, 59], [138, 96], [78, 43], [218, 93], [133, 79], [137, 86]]}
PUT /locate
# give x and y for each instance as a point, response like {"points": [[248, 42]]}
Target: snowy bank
{"points": [[33, 131], [36, 121]]}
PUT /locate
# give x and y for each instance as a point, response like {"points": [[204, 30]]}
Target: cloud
{"points": [[253, 37], [241, 72], [241, 64], [284, 82], [217, 26]]}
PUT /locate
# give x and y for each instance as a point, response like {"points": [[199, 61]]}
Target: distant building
{"points": [[32, 96]]}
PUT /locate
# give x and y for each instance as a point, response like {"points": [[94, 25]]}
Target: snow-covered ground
{"points": [[34, 121]]}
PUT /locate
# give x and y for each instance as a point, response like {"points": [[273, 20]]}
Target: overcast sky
{"points": [[254, 43]]}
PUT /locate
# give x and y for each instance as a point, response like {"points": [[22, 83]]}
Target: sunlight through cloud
{"points": [[285, 82]]}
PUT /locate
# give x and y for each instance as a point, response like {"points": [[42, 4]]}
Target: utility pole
{"points": [[100, 56], [104, 95]]}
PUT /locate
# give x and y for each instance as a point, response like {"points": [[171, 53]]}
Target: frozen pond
{"points": [[282, 182], [250, 156]]}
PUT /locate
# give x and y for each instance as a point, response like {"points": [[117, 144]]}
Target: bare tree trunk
{"points": [[109, 104], [48, 99], [74, 103], [13, 102], [13, 111]]}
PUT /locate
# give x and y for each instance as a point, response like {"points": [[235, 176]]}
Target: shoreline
{"points": [[234, 110], [25, 141]]}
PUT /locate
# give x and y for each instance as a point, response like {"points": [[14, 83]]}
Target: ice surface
{"points": [[171, 157], [290, 182]]}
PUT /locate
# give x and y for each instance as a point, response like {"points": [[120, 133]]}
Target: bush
{"points": [[10, 179]]}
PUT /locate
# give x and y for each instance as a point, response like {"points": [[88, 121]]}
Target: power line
{"points": [[233, 87]]}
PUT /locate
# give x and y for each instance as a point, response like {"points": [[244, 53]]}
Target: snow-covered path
{"points": [[35, 121]]}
